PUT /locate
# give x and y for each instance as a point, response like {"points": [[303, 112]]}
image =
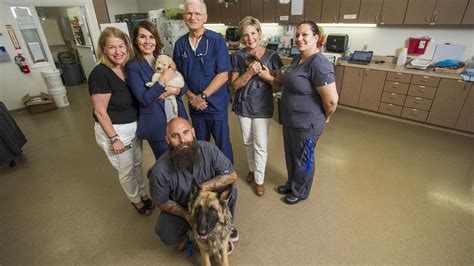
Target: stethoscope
{"points": [[199, 55]]}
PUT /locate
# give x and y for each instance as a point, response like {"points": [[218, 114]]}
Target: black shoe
{"points": [[148, 203], [291, 199], [144, 210], [234, 235], [283, 189]]}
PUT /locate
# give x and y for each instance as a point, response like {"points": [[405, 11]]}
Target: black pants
{"points": [[172, 229], [299, 180]]}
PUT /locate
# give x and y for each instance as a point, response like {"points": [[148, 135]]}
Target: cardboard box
{"points": [[39, 103]]}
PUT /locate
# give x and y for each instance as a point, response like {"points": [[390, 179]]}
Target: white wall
{"points": [[121, 7], [14, 84], [146, 5]]}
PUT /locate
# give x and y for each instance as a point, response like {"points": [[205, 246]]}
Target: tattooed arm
{"points": [[219, 182], [175, 209]]}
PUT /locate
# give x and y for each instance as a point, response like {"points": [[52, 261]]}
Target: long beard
{"points": [[185, 155]]}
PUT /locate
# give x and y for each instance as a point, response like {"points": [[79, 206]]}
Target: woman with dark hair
{"points": [[115, 115], [253, 72], [309, 99], [154, 111]]}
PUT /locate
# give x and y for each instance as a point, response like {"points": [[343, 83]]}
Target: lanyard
{"points": [[304, 163]]}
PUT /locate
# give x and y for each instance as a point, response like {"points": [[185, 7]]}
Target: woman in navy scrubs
{"points": [[153, 112], [309, 99]]}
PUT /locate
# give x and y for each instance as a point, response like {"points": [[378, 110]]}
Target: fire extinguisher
{"points": [[21, 62]]}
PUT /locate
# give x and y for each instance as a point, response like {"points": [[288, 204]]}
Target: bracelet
{"points": [[113, 136], [115, 140]]}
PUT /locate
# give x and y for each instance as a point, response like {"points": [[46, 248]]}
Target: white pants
{"points": [[128, 163], [255, 133]]}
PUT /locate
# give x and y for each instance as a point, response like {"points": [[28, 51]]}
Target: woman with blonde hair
{"points": [[253, 72], [115, 114]]}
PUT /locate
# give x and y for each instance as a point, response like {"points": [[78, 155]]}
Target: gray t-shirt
{"points": [[255, 99], [166, 183], [301, 105]]}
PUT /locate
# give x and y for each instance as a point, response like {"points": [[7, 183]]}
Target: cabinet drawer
{"points": [[390, 109], [425, 80], [422, 91], [418, 103], [391, 97], [415, 114], [397, 87], [398, 76]]}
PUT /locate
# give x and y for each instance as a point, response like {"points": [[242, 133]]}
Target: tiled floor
{"points": [[385, 192]]}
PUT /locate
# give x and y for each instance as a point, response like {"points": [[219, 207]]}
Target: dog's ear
{"points": [[224, 195], [172, 64], [195, 190]]}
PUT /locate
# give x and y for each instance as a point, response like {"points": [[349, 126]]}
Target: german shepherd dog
{"points": [[211, 222]]}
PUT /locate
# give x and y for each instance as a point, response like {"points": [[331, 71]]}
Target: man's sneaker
{"points": [[230, 248], [234, 235]]}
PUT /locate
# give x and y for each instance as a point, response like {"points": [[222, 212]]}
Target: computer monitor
{"points": [[272, 46], [294, 51], [362, 56]]}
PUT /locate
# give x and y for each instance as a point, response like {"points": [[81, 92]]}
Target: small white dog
{"points": [[164, 62]]}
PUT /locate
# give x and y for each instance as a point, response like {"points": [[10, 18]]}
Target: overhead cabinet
{"points": [[443, 12], [468, 18], [370, 11], [345, 11]]}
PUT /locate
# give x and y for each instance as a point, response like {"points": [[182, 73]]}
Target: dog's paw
{"points": [[149, 84]]}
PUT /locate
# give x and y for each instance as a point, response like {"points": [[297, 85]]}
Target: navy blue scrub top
{"points": [[199, 67]]}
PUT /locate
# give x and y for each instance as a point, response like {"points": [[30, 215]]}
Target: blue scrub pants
{"points": [[158, 147], [217, 125]]}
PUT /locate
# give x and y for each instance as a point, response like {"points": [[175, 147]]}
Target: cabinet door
{"points": [[349, 11], [351, 83], [283, 12], [312, 10], [269, 15], [393, 12], [371, 91], [295, 19], [370, 11], [235, 13], [224, 13], [448, 102], [101, 13], [212, 11], [338, 72], [256, 9], [449, 12], [468, 18], [466, 118], [419, 12], [330, 11]]}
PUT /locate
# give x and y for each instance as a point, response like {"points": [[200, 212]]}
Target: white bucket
{"points": [[53, 79], [59, 96]]}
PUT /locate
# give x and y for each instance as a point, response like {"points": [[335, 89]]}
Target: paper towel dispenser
{"points": [[337, 43]]}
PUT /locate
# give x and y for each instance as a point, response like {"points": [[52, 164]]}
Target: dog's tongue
{"points": [[203, 237]]}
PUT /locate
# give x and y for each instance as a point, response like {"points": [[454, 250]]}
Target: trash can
{"points": [[71, 72], [55, 87]]}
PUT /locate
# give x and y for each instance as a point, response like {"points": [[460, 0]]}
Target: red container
{"points": [[417, 46]]}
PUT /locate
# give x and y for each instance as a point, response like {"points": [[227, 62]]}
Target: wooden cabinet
{"points": [[468, 18], [371, 91], [414, 114], [393, 98], [448, 102], [338, 72], [334, 11], [101, 12], [256, 9], [419, 11], [393, 12], [282, 12], [269, 11], [312, 10], [351, 85], [229, 14], [432, 12], [370, 11], [466, 117], [212, 11]]}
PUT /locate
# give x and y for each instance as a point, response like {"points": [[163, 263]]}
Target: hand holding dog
{"points": [[169, 90], [265, 73], [254, 68], [167, 75]]}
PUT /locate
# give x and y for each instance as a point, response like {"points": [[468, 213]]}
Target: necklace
{"points": [[119, 73]]}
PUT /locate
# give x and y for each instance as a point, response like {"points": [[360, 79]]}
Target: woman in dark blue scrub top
{"points": [[309, 99], [154, 112]]}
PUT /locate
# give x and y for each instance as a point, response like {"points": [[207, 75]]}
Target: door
{"points": [[466, 118], [212, 12], [419, 12], [87, 59], [351, 83], [370, 11], [256, 9], [371, 91], [235, 13], [349, 11], [393, 12], [269, 15], [295, 19], [468, 18], [448, 102], [282, 12], [338, 72], [312, 10], [330, 11], [449, 12]]}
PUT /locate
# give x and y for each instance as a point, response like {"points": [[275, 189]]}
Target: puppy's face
{"points": [[164, 62]]}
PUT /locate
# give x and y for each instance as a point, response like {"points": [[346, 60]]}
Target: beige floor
{"points": [[386, 192]]}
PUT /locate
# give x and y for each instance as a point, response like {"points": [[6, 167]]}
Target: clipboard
{"points": [[448, 51]]}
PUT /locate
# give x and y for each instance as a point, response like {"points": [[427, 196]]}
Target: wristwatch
{"points": [[114, 139], [203, 96]]}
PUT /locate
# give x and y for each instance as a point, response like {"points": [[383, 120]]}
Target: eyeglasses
{"points": [[190, 14]]}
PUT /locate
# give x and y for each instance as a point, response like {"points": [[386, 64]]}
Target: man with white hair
{"points": [[201, 57]]}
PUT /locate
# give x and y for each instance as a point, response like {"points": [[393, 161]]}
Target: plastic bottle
{"points": [[402, 56]]}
